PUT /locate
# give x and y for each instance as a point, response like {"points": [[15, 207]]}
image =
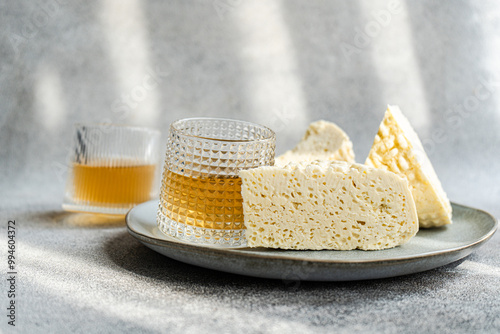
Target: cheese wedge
{"points": [[398, 149], [322, 141], [327, 205]]}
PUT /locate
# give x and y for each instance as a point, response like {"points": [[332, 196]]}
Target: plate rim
{"points": [[180, 244]]}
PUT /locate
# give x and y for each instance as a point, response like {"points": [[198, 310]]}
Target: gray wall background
{"points": [[280, 63]]}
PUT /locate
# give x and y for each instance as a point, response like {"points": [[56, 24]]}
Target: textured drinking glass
{"points": [[200, 198], [112, 168]]}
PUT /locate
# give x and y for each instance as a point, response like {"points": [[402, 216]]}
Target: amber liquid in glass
{"points": [[208, 202], [101, 185]]}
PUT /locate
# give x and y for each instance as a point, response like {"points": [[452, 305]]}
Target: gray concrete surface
{"points": [[280, 63]]}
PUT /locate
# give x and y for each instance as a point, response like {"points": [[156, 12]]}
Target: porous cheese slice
{"points": [[322, 141], [327, 205], [398, 149]]}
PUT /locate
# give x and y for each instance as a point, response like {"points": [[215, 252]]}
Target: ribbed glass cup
{"points": [[200, 197], [112, 168]]}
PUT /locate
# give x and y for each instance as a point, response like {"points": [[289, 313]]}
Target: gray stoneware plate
{"points": [[429, 249]]}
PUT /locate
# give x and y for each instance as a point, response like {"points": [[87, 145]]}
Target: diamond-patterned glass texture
{"points": [[200, 197]]}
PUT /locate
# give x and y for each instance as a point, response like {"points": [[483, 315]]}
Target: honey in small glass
{"points": [[207, 202], [200, 198], [112, 168], [104, 184]]}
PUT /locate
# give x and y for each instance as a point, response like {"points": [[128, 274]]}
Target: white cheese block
{"points": [[398, 149], [322, 141], [327, 205]]}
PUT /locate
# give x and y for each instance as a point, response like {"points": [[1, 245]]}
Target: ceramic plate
{"points": [[430, 248]]}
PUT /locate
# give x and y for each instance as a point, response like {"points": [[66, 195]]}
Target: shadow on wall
{"points": [[281, 63], [339, 76], [450, 46]]}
